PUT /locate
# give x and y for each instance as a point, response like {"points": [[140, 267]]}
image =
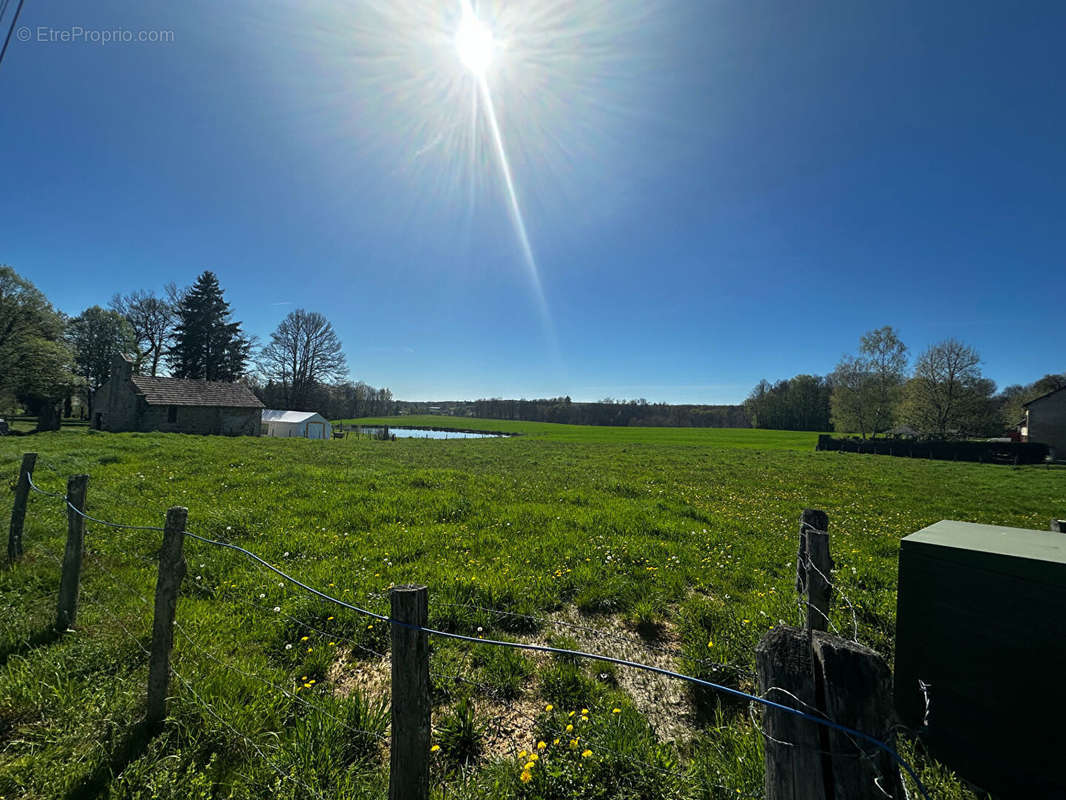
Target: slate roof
{"points": [[1043, 397], [179, 392]]}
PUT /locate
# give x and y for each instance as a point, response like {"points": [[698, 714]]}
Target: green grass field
{"points": [[671, 546]]}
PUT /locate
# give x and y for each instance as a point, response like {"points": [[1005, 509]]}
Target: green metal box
{"points": [[981, 621]]}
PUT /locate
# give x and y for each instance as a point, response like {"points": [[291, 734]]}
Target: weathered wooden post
{"points": [[18, 509], [409, 762], [813, 565], [793, 746], [171, 573], [827, 677], [68, 583]]}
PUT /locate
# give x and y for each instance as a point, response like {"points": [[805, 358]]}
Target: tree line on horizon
{"points": [[608, 411], [873, 393], [50, 361]]}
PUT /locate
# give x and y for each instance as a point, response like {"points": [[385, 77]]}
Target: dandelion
{"points": [[328, 619], [586, 753], [573, 744], [522, 754], [569, 728], [549, 707], [533, 757], [541, 745], [555, 741], [525, 777], [528, 767], [710, 643], [616, 711], [310, 649], [434, 748], [584, 711], [584, 719], [332, 644]]}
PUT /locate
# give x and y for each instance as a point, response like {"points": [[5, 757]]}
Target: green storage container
{"points": [[981, 619]]}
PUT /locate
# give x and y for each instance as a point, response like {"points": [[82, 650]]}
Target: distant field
{"points": [[688, 535], [700, 437]]}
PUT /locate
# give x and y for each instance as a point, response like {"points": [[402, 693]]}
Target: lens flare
{"points": [[475, 43]]}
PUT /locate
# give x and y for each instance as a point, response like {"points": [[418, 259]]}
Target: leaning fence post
{"points": [[171, 573], [18, 510], [813, 566], [409, 761], [68, 583]]}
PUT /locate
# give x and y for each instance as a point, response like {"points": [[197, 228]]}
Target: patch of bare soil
{"points": [[663, 701]]}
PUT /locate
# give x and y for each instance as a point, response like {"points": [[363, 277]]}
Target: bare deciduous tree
{"points": [[304, 351], [152, 319]]}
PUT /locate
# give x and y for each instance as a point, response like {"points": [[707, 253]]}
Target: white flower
{"points": [[277, 608], [288, 647]]}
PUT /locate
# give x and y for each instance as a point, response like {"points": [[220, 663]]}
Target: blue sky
{"points": [[714, 192]]}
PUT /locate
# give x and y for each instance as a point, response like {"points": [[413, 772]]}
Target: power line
{"points": [[10, 30]]}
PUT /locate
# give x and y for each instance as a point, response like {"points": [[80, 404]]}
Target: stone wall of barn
{"points": [[199, 419]]}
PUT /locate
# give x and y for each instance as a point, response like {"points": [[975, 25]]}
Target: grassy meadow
{"points": [[671, 546]]}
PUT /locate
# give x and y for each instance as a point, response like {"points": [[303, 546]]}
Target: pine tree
{"points": [[206, 344]]}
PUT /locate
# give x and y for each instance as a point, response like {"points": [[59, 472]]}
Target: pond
{"points": [[426, 433]]}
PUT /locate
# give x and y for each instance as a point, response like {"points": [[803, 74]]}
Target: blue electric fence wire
{"points": [[542, 648], [39, 490], [581, 654]]}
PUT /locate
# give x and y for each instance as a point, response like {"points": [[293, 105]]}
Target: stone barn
{"points": [[129, 402], [1045, 421]]}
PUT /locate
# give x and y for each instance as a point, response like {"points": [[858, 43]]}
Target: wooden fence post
{"points": [[813, 566], [827, 677], [68, 583], [171, 573], [793, 746], [18, 510], [409, 762]]}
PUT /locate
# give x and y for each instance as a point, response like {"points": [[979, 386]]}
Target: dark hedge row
{"points": [[991, 452]]}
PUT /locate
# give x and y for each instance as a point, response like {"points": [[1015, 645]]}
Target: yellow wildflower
{"points": [[584, 711], [434, 748], [569, 728], [616, 711], [522, 753], [541, 745], [529, 766], [525, 777], [533, 757], [573, 744], [710, 643], [586, 753], [549, 707]]}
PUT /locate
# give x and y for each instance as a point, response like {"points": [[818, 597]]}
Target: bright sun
{"points": [[475, 44]]}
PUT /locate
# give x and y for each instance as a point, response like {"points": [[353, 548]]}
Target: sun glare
{"points": [[475, 44]]}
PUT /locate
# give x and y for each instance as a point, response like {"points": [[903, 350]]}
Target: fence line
{"points": [[572, 653]]}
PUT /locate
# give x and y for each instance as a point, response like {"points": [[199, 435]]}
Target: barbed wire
{"points": [[545, 648]]}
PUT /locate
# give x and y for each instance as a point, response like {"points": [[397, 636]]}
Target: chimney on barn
{"points": [[121, 368]]}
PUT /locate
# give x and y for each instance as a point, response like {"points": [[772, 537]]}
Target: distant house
{"points": [[129, 402], [1045, 421], [302, 424]]}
